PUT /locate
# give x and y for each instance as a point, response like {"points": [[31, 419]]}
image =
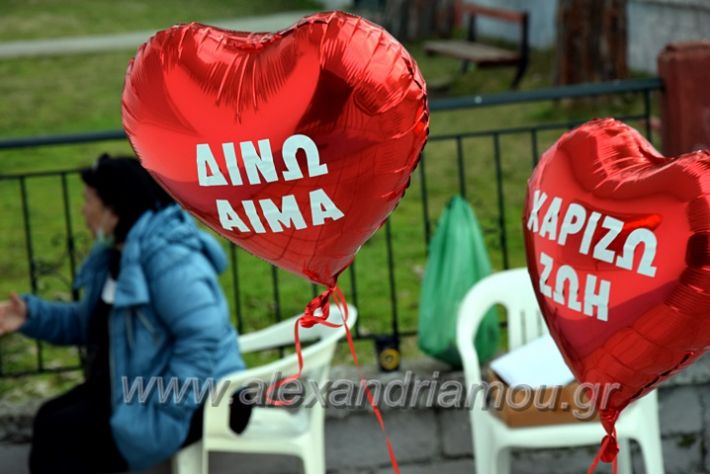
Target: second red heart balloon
{"points": [[617, 244], [295, 145]]}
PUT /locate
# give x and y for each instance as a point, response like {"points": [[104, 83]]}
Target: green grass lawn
{"points": [[57, 95], [23, 19]]}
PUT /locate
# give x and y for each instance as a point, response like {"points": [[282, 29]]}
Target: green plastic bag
{"points": [[457, 259]]}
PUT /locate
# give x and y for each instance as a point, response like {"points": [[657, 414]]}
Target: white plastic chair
{"points": [[492, 438], [272, 430]]}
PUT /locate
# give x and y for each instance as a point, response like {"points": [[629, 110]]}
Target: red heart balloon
{"points": [[618, 248], [295, 145]]}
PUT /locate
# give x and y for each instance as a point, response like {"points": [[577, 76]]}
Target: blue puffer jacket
{"points": [[169, 320]]}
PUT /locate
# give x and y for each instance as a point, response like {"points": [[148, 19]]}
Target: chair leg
{"points": [[190, 460], [485, 452], [504, 461], [313, 461], [624, 457], [313, 448]]}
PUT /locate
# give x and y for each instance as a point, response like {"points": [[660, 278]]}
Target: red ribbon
{"points": [[607, 453], [308, 319], [609, 449]]}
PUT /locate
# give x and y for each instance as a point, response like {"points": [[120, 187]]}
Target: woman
{"points": [[152, 311]]}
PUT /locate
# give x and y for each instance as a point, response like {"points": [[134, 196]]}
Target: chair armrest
{"points": [[217, 408], [316, 357], [264, 373], [278, 335]]}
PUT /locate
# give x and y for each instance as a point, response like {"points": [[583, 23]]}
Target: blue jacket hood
{"points": [[165, 235], [154, 232]]}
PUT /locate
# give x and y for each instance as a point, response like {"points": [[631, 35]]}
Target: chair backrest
{"points": [[511, 289], [524, 317]]}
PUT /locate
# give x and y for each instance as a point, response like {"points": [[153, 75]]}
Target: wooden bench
{"points": [[485, 55]]}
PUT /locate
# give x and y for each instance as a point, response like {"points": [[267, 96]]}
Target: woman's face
{"points": [[96, 214]]}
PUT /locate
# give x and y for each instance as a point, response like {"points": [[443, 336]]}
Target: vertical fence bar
{"points": [[277, 300], [393, 289], [533, 141], [277, 295], [425, 202], [2, 372], [353, 295], [503, 234], [647, 114], [28, 234], [71, 247], [462, 172], [235, 287], [30, 257]]}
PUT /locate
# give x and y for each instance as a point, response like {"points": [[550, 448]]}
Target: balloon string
{"points": [[342, 305], [607, 452], [310, 318]]}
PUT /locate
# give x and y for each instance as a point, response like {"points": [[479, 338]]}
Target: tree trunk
{"points": [[591, 41]]}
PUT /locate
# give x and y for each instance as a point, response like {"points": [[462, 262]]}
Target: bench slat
{"points": [[478, 53]]}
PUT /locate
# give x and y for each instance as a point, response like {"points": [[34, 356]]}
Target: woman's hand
{"points": [[13, 314]]}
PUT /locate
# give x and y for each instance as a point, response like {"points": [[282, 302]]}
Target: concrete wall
{"points": [[652, 25], [655, 23]]}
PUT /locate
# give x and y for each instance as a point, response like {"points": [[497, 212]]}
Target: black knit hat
{"points": [[125, 186]]}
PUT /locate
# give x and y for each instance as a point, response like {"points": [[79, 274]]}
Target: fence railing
{"points": [[489, 167]]}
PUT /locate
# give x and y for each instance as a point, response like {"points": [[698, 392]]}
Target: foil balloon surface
{"points": [[618, 249], [294, 145]]}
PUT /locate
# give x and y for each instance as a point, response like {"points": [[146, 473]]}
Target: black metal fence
{"points": [[487, 166]]}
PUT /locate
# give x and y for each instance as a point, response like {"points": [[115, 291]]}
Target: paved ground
{"points": [[438, 440]]}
